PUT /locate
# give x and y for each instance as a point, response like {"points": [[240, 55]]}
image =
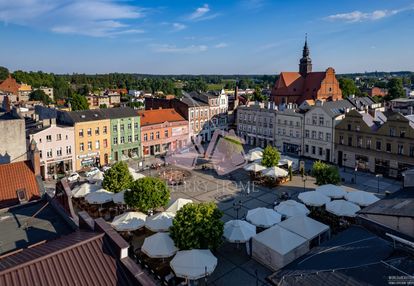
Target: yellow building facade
{"points": [[92, 143]]}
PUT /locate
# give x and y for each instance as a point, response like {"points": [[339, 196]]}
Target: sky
{"points": [[205, 37]]}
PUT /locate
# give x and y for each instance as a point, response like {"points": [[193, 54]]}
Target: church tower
{"points": [[305, 65]]}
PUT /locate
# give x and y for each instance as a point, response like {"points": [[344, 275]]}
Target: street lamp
{"points": [[236, 207], [344, 165], [378, 178], [304, 182]]}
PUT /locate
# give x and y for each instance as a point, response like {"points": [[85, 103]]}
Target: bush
{"points": [[117, 178], [271, 157], [197, 226], [147, 193], [325, 173]]}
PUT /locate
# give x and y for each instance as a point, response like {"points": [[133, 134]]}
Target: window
{"points": [[341, 139], [105, 130], [349, 127], [320, 135], [115, 128], [191, 114], [41, 154], [122, 139], [135, 137], [129, 138], [122, 127], [129, 126], [388, 147], [291, 123], [152, 134], [392, 132], [48, 138], [313, 150], [291, 133], [328, 137], [81, 133], [97, 131], [59, 151], [350, 141], [400, 149], [306, 133], [285, 122], [89, 145], [411, 151], [97, 145], [68, 150], [368, 143], [359, 141], [115, 140], [105, 143], [136, 125], [320, 151], [307, 148], [157, 135], [157, 148], [166, 133], [89, 132], [321, 120], [81, 147], [357, 128], [40, 140], [21, 195], [313, 134], [49, 153], [314, 119], [145, 137], [297, 134], [378, 145], [58, 137], [284, 131], [67, 137]]}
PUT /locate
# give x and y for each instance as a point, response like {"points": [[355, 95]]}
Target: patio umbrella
{"points": [[275, 172], [135, 175], [238, 231], [313, 199], [159, 245], [257, 149], [84, 189], [342, 208], [263, 217], [291, 208], [254, 167], [177, 205], [96, 178], [160, 221], [361, 198], [99, 197], [118, 198], [332, 191], [129, 221], [256, 155], [193, 264]]}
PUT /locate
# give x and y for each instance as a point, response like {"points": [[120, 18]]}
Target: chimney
{"points": [[6, 103], [34, 157]]}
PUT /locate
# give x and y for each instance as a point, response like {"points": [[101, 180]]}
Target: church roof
{"points": [[292, 83]]}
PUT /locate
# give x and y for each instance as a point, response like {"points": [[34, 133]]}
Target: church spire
{"points": [[305, 65]]}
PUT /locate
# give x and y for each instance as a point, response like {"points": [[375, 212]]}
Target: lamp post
{"points": [[378, 180], [344, 165], [304, 182], [236, 207]]}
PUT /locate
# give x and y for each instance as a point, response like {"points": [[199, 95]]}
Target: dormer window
{"points": [[21, 195]]}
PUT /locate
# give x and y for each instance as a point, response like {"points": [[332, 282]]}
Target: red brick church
{"points": [[296, 87]]}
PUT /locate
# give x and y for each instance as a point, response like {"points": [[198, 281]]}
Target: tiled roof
{"points": [[338, 107], [289, 83], [80, 258], [16, 176], [101, 114], [156, 116]]}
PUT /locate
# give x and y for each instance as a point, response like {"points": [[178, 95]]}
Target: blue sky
{"points": [[205, 37]]}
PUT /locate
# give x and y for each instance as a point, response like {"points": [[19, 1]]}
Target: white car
{"points": [[92, 172], [105, 168], [73, 177]]}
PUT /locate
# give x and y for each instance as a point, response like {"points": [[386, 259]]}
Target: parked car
{"points": [[73, 177], [92, 172], [105, 168]]}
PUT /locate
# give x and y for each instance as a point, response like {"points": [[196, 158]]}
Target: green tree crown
{"points": [[117, 178], [271, 157], [325, 173]]}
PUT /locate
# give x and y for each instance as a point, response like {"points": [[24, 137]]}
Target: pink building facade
{"points": [[56, 145]]}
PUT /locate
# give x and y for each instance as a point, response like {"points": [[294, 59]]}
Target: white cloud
{"points": [[178, 26], [358, 16], [96, 18], [202, 13], [221, 45], [192, 49], [266, 47]]}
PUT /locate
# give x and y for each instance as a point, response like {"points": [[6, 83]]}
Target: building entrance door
{"points": [[328, 155], [339, 158]]}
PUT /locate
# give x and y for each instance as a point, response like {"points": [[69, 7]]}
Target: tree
{"points": [[325, 173], [257, 95], [4, 73], [103, 106], [395, 89], [79, 102], [271, 156], [347, 86], [147, 193], [117, 178], [39, 95], [197, 226]]}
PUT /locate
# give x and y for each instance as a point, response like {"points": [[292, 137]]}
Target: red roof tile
{"points": [[157, 116], [16, 176]]}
